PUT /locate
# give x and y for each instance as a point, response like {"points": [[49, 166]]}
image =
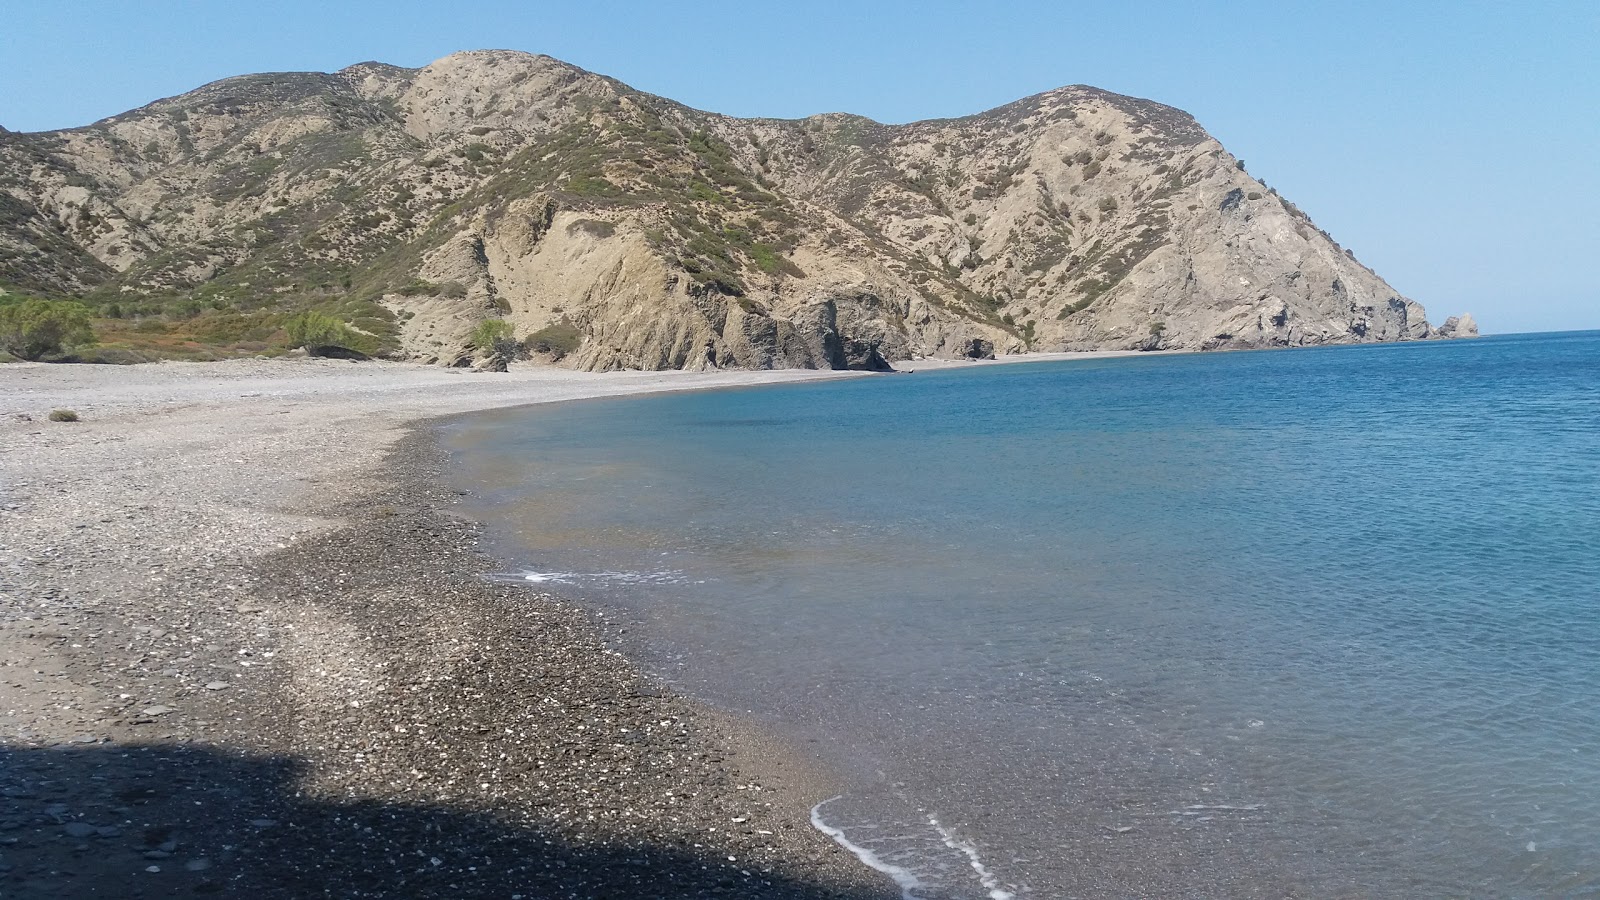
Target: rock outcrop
{"points": [[1462, 326], [617, 229]]}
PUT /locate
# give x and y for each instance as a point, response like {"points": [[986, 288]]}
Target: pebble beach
{"points": [[246, 649]]}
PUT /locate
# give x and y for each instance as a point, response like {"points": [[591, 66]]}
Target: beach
{"points": [[245, 648]]}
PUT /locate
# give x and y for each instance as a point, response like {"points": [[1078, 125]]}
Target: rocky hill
{"points": [[615, 229]]}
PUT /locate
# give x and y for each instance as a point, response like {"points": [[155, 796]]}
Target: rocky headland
{"points": [[613, 229]]}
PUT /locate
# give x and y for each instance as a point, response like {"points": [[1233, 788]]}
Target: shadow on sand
{"points": [[165, 821]]}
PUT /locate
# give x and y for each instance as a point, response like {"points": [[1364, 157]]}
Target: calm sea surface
{"points": [[1317, 622]]}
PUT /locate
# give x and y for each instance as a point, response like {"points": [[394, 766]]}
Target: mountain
{"points": [[616, 229]]}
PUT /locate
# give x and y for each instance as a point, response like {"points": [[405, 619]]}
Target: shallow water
{"points": [[1322, 622]]}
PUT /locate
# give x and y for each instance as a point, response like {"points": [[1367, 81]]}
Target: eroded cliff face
{"points": [[615, 229]]}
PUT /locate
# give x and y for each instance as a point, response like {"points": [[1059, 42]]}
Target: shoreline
{"points": [[935, 364], [220, 550]]}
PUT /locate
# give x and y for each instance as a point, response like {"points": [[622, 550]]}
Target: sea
{"points": [[1318, 622]]}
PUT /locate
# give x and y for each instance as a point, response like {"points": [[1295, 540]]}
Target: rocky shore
{"points": [[245, 650]]}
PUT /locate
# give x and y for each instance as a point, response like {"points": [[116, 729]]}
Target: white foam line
{"points": [[1246, 808], [985, 877], [664, 577], [907, 881]]}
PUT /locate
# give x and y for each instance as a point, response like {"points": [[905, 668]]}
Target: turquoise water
{"points": [[1320, 622]]}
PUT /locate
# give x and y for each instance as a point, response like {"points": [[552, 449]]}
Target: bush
{"points": [[418, 287], [494, 338], [63, 415], [557, 339], [490, 331], [314, 330], [32, 329]]}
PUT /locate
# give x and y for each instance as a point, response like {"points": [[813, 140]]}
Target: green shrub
{"points": [[557, 339], [31, 329], [63, 415], [417, 287], [488, 332], [1157, 327], [493, 337], [312, 330]]}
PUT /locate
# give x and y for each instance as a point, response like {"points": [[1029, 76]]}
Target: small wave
{"points": [[905, 878], [965, 848], [912, 887], [531, 577]]}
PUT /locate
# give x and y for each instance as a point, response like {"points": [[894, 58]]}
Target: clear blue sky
{"points": [[1454, 146]]}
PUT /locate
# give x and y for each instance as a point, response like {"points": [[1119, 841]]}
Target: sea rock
{"points": [[1462, 326]]}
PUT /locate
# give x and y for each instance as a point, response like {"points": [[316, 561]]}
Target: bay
{"points": [[1320, 622]]}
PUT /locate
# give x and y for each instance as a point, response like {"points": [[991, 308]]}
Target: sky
{"points": [[1453, 146]]}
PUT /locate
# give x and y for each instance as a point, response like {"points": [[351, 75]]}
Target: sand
{"points": [[244, 649]]}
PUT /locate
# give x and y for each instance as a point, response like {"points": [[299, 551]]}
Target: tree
{"points": [[31, 329]]}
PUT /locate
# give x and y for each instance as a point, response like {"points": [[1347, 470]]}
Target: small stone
{"points": [[263, 823], [167, 846], [85, 739], [216, 685], [78, 829], [108, 831], [158, 710], [152, 869], [156, 854], [197, 865]]}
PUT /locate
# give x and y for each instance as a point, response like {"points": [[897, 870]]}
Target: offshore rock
{"points": [[1463, 326]]}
